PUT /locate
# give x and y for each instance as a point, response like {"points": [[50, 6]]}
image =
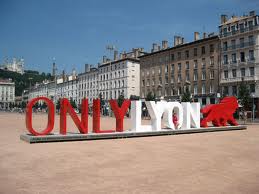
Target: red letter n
{"points": [[65, 107]]}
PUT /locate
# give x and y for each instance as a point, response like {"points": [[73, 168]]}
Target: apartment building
{"points": [[168, 72], [88, 84], [7, 93], [239, 42], [120, 76]]}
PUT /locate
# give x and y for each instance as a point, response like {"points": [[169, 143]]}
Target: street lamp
{"points": [[253, 108]]}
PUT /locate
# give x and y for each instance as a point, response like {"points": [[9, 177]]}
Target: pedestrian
{"points": [[175, 120]]}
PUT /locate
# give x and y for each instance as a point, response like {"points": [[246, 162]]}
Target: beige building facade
{"points": [[168, 72]]}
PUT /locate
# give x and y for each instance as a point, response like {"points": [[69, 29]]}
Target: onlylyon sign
{"points": [[188, 115]]}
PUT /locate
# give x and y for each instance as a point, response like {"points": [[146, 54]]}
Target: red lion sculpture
{"points": [[220, 114]]}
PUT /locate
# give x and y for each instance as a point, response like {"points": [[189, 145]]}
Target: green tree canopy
{"points": [[150, 97], [244, 97]]}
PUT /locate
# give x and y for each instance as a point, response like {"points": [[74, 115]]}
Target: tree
{"points": [[120, 100], [244, 97], [186, 96], [134, 97], [58, 105], [44, 105], [23, 105], [150, 97], [73, 103]]}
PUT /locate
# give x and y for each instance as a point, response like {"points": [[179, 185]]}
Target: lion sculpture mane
{"points": [[220, 114]]}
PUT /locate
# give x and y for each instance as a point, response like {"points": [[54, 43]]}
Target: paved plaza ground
{"points": [[219, 162]]}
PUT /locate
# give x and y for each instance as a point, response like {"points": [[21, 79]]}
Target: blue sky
{"points": [[76, 32]]}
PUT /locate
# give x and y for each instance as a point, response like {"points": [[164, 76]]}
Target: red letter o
{"points": [[50, 116]]}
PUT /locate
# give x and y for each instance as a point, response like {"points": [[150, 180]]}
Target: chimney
{"points": [[104, 59], [176, 40], [136, 52], [164, 44], [252, 13], [223, 19], [74, 73], [87, 68], [204, 35], [124, 55], [115, 58], [54, 69], [121, 55], [182, 40], [63, 76], [154, 47], [196, 36]]}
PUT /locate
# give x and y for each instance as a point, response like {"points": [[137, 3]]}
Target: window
{"points": [[225, 90], [225, 74], [179, 67], [203, 50], [212, 74], [187, 54], [179, 55], [153, 82], [251, 40], [225, 46], [166, 79], [242, 42], [250, 25], [172, 79], [195, 52], [252, 88], [251, 55], [203, 63], [195, 89], [242, 56], [233, 44], [153, 71], [195, 64], [160, 80], [148, 83], [233, 29], [147, 73], [172, 68], [187, 76], [225, 59], [241, 27], [252, 71], [203, 88], [203, 75], [234, 73], [211, 88], [211, 48], [187, 65], [212, 60], [172, 57], [195, 75], [234, 57], [225, 31], [243, 72], [159, 70], [234, 90], [166, 69], [179, 77]]}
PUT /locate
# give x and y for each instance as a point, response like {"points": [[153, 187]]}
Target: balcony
{"points": [[238, 46], [238, 79], [232, 33]]}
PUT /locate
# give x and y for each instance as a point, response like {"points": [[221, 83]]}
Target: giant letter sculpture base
{"points": [[127, 134]]}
